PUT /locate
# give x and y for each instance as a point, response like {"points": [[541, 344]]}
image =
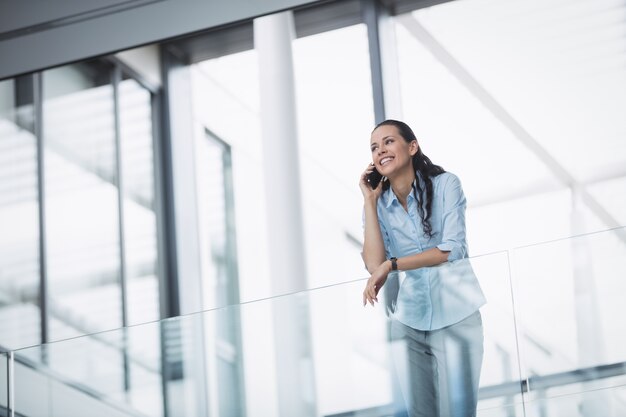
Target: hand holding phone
{"points": [[374, 178]]}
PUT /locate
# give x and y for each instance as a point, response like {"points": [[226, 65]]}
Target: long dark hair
{"points": [[426, 169]]}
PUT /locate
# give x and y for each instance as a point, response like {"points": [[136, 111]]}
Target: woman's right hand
{"points": [[366, 189]]}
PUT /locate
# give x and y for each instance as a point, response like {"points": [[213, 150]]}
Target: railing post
{"points": [[10, 387]]}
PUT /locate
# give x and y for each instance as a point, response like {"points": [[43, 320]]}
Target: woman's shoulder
{"points": [[446, 177]]}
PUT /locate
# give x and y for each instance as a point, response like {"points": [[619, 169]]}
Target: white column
{"points": [[185, 199], [273, 37], [392, 90]]}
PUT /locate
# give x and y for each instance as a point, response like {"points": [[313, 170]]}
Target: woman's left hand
{"points": [[375, 283]]}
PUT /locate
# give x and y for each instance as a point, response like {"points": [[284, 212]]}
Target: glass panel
{"points": [[351, 365], [20, 319], [605, 402], [569, 296], [514, 410], [81, 200], [335, 117], [500, 378], [100, 373], [140, 234]]}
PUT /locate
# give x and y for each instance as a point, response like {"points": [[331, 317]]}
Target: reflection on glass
{"points": [[81, 200], [19, 225], [140, 235], [569, 295]]}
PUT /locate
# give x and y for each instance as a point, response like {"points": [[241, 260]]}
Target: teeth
{"points": [[385, 160]]}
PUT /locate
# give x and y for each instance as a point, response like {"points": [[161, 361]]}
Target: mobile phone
{"points": [[373, 178]]}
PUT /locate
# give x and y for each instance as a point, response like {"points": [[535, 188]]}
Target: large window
{"points": [[78, 158], [82, 215], [20, 317], [508, 97]]}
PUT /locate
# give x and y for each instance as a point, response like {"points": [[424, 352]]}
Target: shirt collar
{"points": [[390, 196]]}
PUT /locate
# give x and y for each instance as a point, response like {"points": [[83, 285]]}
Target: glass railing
{"points": [[553, 334], [603, 402], [570, 310]]}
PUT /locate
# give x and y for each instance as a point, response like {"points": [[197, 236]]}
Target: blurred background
{"points": [[180, 217]]}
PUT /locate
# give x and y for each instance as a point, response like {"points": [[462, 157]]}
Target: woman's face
{"points": [[391, 154]]}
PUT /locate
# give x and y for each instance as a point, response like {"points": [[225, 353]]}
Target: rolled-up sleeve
{"points": [[383, 232], [453, 218]]}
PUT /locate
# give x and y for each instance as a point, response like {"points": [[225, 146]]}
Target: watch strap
{"points": [[394, 263]]}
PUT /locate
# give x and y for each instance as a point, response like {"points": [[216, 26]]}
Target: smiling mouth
{"points": [[385, 161]]}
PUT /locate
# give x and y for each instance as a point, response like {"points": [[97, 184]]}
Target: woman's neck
{"points": [[402, 186]]}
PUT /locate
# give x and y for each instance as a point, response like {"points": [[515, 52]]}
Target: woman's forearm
{"points": [[430, 257], [373, 245]]}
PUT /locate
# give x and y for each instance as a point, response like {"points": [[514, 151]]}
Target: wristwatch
{"points": [[394, 263]]}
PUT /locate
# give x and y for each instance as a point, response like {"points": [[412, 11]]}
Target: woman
{"points": [[414, 221]]}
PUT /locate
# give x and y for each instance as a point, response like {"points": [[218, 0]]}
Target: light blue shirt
{"points": [[434, 297]]}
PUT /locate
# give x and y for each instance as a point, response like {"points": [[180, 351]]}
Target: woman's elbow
{"points": [[452, 250], [370, 269], [370, 265]]}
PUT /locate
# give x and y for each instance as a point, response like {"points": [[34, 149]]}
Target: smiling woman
{"points": [[396, 239]]}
